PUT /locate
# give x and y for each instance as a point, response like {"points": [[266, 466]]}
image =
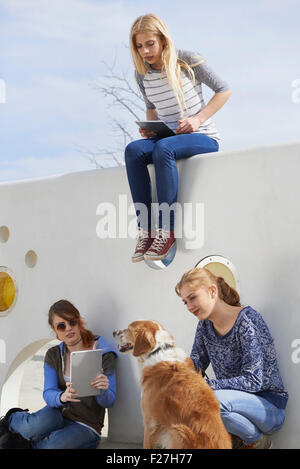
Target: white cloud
{"points": [[70, 20], [55, 112], [51, 51], [52, 55], [50, 95]]}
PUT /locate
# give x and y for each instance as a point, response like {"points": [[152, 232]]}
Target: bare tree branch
{"points": [[119, 99], [120, 93], [93, 156]]}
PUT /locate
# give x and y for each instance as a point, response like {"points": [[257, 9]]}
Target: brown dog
{"points": [[180, 410]]}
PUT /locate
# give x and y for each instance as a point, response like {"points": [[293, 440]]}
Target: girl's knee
{"points": [[224, 400], [129, 152], [33, 425], [162, 151], [132, 151], [162, 145], [20, 422], [279, 421]]}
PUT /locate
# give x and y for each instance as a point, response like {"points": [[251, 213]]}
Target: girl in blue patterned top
{"points": [[236, 341]]}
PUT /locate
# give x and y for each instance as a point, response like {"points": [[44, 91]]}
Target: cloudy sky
{"points": [[53, 53]]}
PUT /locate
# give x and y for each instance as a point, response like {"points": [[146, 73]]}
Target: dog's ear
{"points": [[144, 342]]}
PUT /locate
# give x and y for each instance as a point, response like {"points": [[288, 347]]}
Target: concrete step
{"points": [[106, 444]]}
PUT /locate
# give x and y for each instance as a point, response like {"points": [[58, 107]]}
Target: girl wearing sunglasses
{"points": [[66, 422]]}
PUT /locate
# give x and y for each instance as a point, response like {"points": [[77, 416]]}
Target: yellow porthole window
{"points": [[221, 267], [8, 291]]}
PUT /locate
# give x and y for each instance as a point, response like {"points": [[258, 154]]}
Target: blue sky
{"points": [[52, 54]]}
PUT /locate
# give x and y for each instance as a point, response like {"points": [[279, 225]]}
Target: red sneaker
{"points": [[161, 246], [264, 442], [144, 242]]}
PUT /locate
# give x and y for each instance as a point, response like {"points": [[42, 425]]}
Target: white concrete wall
{"points": [[251, 202]]}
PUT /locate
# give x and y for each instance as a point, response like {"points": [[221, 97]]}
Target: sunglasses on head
{"points": [[61, 326]]}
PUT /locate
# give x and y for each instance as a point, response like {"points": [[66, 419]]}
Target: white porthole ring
{"points": [[221, 267], [8, 291]]}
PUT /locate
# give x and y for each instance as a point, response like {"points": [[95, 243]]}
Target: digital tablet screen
{"points": [[159, 127], [85, 366]]}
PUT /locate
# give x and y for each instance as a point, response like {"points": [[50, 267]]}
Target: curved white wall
{"points": [[251, 216]]}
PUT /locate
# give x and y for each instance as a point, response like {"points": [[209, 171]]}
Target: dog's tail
{"points": [[182, 437]]}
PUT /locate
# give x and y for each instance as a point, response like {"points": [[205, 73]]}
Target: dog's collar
{"points": [[160, 348]]}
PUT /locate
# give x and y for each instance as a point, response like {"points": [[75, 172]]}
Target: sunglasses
{"points": [[61, 326]]}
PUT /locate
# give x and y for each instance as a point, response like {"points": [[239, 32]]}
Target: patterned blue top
{"points": [[243, 359]]}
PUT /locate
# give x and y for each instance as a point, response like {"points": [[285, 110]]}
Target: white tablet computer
{"points": [[161, 129], [85, 365]]}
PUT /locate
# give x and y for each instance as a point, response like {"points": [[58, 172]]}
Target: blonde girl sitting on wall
{"points": [[170, 81]]}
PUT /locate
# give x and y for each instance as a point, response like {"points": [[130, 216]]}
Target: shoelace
{"points": [[142, 239], [160, 240]]}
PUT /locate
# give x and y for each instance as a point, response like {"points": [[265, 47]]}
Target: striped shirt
{"points": [[158, 94]]}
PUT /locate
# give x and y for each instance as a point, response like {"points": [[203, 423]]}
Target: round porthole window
{"points": [[31, 259], [221, 267], [8, 291], [4, 234]]}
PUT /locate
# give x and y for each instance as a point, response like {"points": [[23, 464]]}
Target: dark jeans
{"points": [[163, 153], [48, 429]]}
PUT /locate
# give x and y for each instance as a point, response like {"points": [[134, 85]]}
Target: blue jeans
{"points": [[163, 153], [48, 429], [247, 415]]}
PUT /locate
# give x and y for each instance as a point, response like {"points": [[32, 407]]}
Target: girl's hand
{"points": [[147, 133], [100, 382], [190, 124], [69, 395]]}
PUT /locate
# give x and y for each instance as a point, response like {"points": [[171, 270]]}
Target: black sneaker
{"points": [[7, 437], [14, 441], [4, 421]]}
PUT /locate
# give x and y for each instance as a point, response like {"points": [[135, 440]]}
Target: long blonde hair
{"points": [[171, 64], [202, 277]]}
